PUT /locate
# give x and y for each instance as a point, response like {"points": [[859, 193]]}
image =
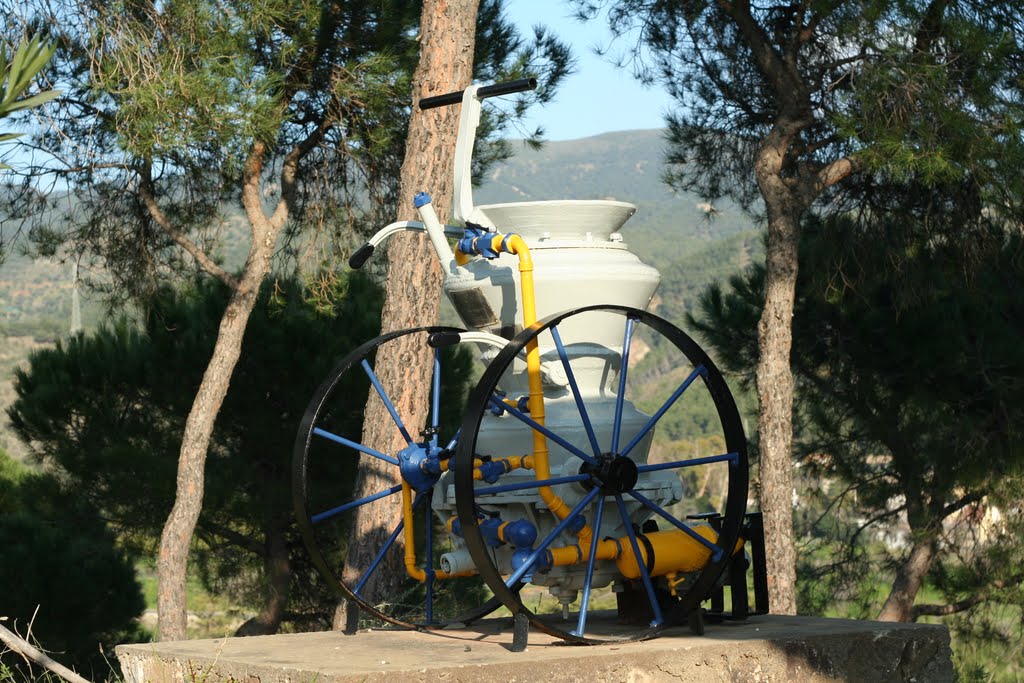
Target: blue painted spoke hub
{"points": [[420, 465]]}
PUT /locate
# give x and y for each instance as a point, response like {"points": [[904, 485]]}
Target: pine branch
{"points": [[774, 67], [33, 654], [935, 610], [932, 610], [160, 218], [838, 170], [958, 505]]}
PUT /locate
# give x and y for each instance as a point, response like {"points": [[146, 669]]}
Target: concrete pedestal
{"points": [[762, 649]]}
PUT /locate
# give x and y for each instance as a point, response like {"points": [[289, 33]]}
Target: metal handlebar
{"points": [[506, 88], [363, 253]]}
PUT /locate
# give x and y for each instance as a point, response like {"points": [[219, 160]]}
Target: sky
{"points": [[599, 97]]}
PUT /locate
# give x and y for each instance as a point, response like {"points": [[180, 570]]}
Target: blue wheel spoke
{"points": [[455, 441], [383, 550], [522, 417], [581, 625], [521, 572], [380, 556], [731, 458], [327, 514], [532, 484], [436, 398], [627, 340], [575, 391], [697, 372], [716, 551], [640, 564], [387, 401], [353, 444]]}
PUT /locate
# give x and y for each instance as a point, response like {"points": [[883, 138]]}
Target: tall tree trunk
{"points": [[774, 375], [172, 561], [278, 570], [924, 525], [448, 30], [899, 606]]}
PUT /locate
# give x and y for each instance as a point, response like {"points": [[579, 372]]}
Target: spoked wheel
{"points": [[646, 457], [327, 456]]}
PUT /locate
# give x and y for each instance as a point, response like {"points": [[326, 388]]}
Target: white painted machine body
{"points": [[579, 259]]}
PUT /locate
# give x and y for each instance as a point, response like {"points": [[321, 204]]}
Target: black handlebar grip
{"points": [[439, 340], [362, 255], [506, 88]]}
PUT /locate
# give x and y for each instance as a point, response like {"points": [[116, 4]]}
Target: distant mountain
{"points": [[689, 242], [673, 232], [677, 233]]}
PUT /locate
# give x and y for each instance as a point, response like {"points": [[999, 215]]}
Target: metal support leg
{"points": [[695, 620], [520, 632], [351, 618]]}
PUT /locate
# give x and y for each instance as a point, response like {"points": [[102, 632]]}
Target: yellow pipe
{"points": [[513, 462], [514, 244], [410, 541], [608, 549], [674, 551], [411, 569]]}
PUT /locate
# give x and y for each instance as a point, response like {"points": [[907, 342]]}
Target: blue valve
{"points": [[476, 241]]}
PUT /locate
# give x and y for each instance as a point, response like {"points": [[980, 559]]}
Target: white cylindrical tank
{"points": [[579, 259]]}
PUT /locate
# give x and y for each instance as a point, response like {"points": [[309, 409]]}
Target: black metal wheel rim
{"points": [[735, 446], [303, 484]]}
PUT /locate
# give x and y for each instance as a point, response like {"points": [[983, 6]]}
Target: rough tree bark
{"points": [[910, 575], [775, 410], [448, 31], [924, 517]]}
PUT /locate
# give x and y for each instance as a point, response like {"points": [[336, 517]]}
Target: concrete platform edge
{"points": [[765, 649]]}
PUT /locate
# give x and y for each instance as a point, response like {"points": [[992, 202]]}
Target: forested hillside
{"points": [[691, 243]]}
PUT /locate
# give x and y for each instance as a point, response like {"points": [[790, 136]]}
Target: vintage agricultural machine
{"points": [[571, 467]]}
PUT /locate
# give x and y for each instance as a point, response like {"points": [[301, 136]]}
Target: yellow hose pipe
{"points": [[415, 572], [514, 244], [673, 552], [514, 462]]}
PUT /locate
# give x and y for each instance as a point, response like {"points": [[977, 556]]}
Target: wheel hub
{"points": [[420, 466], [612, 474]]}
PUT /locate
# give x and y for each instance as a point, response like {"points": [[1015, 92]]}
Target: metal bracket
{"points": [[351, 618], [520, 632]]}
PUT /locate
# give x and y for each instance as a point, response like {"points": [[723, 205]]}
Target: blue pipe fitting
{"points": [[542, 564], [419, 467], [497, 407], [492, 470], [421, 199], [521, 533], [476, 241], [576, 524], [489, 530]]}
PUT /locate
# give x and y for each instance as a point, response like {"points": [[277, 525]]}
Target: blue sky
{"points": [[599, 97]]}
